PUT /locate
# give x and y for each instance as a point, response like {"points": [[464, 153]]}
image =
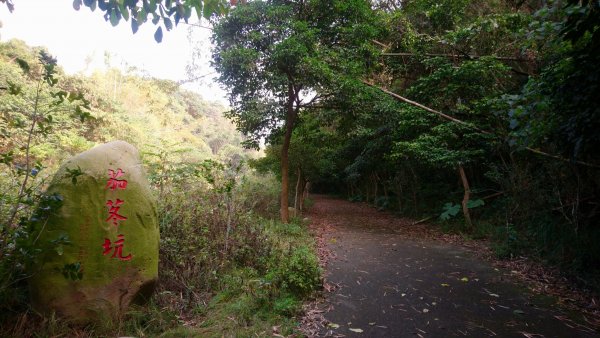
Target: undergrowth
{"points": [[224, 269]]}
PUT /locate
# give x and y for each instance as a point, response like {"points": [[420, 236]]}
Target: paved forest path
{"points": [[394, 279]]}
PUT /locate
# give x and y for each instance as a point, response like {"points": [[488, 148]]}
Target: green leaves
{"points": [[471, 204], [114, 17], [158, 35], [134, 25], [168, 23], [450, 210], [165, 11], [264, 47], [14, 89], [73, 271], [74, 173], [23, 65]]}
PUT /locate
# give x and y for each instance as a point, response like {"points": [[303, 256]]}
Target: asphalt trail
{"points": [[391, 283]]}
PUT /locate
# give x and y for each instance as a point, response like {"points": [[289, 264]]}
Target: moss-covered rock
{"points": [[109, 217]]}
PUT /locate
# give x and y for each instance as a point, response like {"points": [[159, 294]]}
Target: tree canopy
{"points": [[162, 13], [481, 106], [279, 58]]}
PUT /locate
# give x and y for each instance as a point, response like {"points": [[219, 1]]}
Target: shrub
{"points": [[298, 272]]}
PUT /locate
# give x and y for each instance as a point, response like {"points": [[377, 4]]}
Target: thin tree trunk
{"points": [[284, 212], [413, 187], [375, 187], [383, 186], [400, 194], [466, 197], [23, 188], [305, 185], [299, 174], [285, 179], [229, 202]]}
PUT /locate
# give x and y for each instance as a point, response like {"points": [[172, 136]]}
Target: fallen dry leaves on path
{"points": [[328, 214]]}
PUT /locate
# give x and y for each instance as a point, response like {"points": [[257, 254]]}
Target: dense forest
{"points": [[478, 117]]}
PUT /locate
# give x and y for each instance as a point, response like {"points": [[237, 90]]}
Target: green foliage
{"points": [[298, 271], [73, 271], [163, 12], [74, 173], [516, 76], [268, 54], [450, 210], [508, 243], [33, 107], [251, 277], [173, 128], [211, 241], [260, 193], [475, 203], [558, 107], [278, 59]]}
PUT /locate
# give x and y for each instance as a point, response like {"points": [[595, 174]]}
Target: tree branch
{"points": [[539, 152], [459, 56], [453, 119], [416, 104], [194, 79], [380, 44]]}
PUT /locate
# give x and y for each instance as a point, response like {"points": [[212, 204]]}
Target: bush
{"points": [[260, 193], [298, 272]]}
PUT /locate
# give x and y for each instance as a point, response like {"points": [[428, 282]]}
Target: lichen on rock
{"points": [[109, 216]]}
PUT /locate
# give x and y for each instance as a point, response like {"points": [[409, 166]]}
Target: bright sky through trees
{"points": [[75, 37]]}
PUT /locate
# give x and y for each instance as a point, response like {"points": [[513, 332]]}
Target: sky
{"points": [[76, 36]]}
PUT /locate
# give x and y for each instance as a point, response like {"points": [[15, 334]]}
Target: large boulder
{"points": [[109, 217]]}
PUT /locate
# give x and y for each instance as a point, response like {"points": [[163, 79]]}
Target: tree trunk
{"points": [[285, 179], [466, 197], [414, 189], [375, 187], [299, 174], [305, 187], [400, 194]]}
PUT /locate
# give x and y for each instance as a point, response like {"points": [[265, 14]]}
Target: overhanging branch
{"points": [[459, 56], [453, 119], [416, 104]]}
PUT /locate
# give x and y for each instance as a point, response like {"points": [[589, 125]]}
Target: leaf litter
{"points": [[538, 278]]}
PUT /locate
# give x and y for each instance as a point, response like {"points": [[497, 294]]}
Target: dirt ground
{"points": [[386, 277]]}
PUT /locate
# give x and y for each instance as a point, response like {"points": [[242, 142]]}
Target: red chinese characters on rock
{"points": [[114, 183], [117, 248], [113, 212]]}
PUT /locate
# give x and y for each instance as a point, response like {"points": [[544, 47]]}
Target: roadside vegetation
{"points": [[479, 116], [226, 266]]}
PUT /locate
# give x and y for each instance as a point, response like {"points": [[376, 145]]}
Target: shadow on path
{"points": [[391, 283]]}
